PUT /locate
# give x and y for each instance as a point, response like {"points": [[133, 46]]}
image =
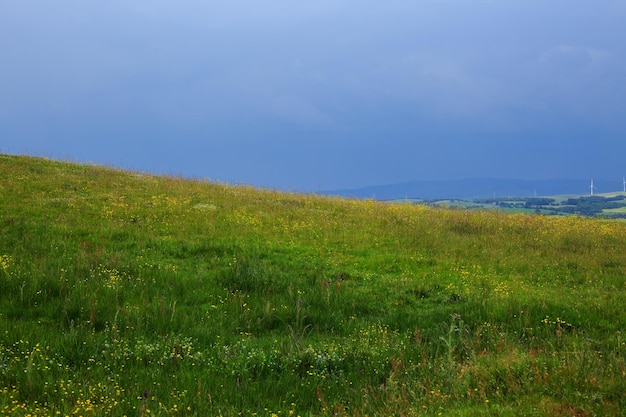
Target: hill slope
{"points": [[129, 294]]}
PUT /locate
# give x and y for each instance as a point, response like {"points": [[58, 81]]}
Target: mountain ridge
{"points": [[473, 188]]}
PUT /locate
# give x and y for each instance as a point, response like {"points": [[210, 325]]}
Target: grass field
{"points": [[616, 210], [130, 294]]}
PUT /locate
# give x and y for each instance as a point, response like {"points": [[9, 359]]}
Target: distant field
{"points": [[601, 205], [138, 295], [616, 210]]}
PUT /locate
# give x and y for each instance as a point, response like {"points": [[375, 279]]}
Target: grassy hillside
{"points": [[129, 294]]}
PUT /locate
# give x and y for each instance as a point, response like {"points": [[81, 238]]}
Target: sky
{"points": [[319, 95]]}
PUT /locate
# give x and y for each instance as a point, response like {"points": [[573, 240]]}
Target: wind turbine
{"points": [[591, 188], [624, 181]]}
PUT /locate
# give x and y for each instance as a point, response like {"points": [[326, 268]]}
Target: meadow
{"points": [[129, 294]]}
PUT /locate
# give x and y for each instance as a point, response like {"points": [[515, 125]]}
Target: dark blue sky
{"points": [[319, 95]]}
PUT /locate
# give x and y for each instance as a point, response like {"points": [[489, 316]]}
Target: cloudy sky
{"points": [[319, 95]]}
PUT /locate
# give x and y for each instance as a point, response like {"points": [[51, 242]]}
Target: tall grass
{"points": [[129, 294]]}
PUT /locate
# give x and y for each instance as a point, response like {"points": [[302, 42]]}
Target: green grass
{"points": [[130, 294]]}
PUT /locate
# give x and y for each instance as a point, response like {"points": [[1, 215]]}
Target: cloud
{"points": [[573, 58], [583, 83], [295, 108]]}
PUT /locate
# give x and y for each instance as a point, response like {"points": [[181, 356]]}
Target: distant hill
{"points": [[468, 189]]}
